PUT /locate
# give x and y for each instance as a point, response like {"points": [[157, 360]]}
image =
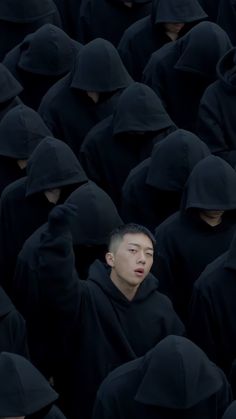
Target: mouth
{"points": [[139, 271]]}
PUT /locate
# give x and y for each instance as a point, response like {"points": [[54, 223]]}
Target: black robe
{"points": [[216, 124], [147, 35], [98, 327], [230, 411], [18, 19], [185, 243], [226, 18], [174, 380], [108, 19], [10, 88], [153, 189], [212, 310], [211, 8], [21, 130], [24, 207], [69, 12], [40, 60], [180, 72], [113, 147], [66, 108]]}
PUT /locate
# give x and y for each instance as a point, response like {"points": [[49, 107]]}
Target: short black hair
{"points": [[131, 228]]}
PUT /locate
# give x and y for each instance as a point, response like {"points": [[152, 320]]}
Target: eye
{"points": [[132, 250], [149, 254]]}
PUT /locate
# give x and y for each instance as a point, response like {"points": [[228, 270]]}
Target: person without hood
{"points": [[212, 310], [216, 120], [173, 380], [113, 317], [18, 19], [203, 229], [10, 89], [118, 143], [53, 172], [24, 392], [109, 19], [168, 21], [40, 60], [181, 71], [86, 95], [211, 8], [230, 412], [159, 180], [21, 130]]}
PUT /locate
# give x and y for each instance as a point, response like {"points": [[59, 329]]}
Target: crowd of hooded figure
{"points": [[118, 209]]}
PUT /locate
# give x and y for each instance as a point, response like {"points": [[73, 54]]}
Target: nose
{"points": [[142, 258]]}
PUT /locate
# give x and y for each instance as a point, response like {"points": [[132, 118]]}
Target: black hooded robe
{"points": [[10, 88], [227, 18], [147, 35], [211, 8], [180, 72]]}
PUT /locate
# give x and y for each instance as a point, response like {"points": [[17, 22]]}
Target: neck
{"points": [[211, 221], [173, 36], [128, 291]]}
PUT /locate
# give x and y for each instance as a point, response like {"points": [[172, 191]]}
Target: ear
{"points": [[110, 259]]}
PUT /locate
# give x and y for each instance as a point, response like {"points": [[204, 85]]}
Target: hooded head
{"points": [[173, 160], [177, 11], [21, 130], [53, 165], [9, 86], [201, 48], [210, 186], [25, 11], [140, 110], [178, 375], [230, 413], [99, 68], [49, 51], [23, 389]]}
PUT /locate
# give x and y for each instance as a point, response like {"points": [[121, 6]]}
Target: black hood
{"points": [[97, 215], [226, 70], [173, 160], [5, 303], [230, 413], [211, 186], [182, 11], [201, 48], [99, 68], [23, 389], [49, 51], [25, 11], [230, 258], [9, 86], [53, 164], [178, 375], [140, 109], [21, 130], [100, 273]]}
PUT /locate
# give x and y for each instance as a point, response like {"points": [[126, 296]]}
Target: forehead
{"points": [[138, 239]]}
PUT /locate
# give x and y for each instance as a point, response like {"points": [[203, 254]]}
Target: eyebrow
{"points": [[138, 245]]}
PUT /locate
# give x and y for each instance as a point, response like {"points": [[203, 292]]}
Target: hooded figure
{"points": [[227, 18], [181, 71], [21, 130], [203, 229], [86, 95], [153, 189], [41, 60], [10, 88], [117, 144], [109, 19], [12, 328], [24, 391], [211, 8], [216, 120], [149, 34], [99, 327], [212, 310], [53, 172], [230, 413], [173, 380], [18, 19]]}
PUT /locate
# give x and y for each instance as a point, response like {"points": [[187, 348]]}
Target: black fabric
{"points": [[216, 120], [185, 243], [40, 60], [173, 380], [230, 411], [21, 130], [118, 143], [212, 310], [10, 88], [153, 189], [23, 205], [18, 19], [108, 19], [67, 110], [69, 12], [226, 18], [211, 8], [120, 329], [147, 35], [180, 72]]}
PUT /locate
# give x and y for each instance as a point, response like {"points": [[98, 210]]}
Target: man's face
{"points": [[131, 261]]}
